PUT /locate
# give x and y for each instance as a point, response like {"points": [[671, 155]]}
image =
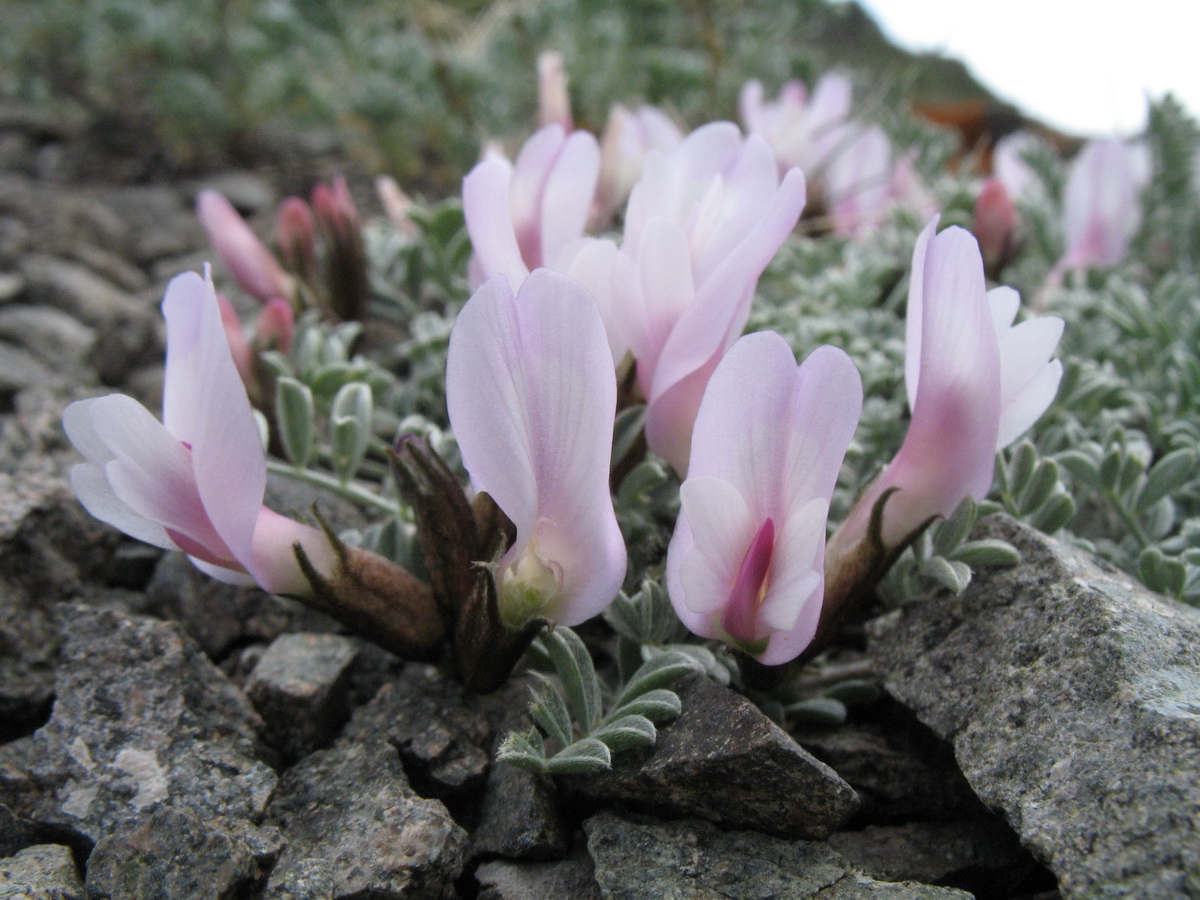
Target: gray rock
{"points": [[305, 879], [249, 192], [568, 879], [1070, 696], [352, 807], [53, 337], [142, 721], [723, 760], [12, 285], [19, 369], [78, 291], [172, 854], [300, 686], [519, 817], [44, 872], [158, 221], [444, 733], [691, 859], [981, 855]]}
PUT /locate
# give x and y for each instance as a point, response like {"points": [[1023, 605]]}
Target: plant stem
{"points": [[350, 490]]}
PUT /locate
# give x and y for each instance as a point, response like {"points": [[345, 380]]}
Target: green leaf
{"points": [[657, 672], [330, 377], [854, 692], [1110, 468], [952, 575], [626, 732], [623, 617], [351, 432], [1082, 466], [626, 430], [1040, 487], [1020, 467], [1057, 512], [657, 706], [818, 712], [574, 666], [987, 552], [951, 532], [644, 478], [524, 750], [1167, 475], [549, 709], [279, 364], [583, 756], [294, 413]]}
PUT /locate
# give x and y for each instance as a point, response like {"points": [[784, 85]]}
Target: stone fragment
{"points": [[352, 807], [899, 768], [725, 761], [42, 872], [158, 220], [77, 291], [50, 335], [142, 720], [174, 854], [572, 878], [11, 286], [980, 855], [300, 686], [1069, 694], [519, 817], [305, 879], [19, 369], [691, 859], [444, 733]]}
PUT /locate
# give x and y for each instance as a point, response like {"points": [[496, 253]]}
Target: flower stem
{"points": [[350, 490]]}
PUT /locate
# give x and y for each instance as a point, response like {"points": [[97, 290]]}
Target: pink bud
{"points": [[995, 224], [554, 103], [250, 262], [297, 240], [235, 334], [276, 323], [396, 204]]}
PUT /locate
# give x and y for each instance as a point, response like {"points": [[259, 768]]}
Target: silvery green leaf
{"points": [[952, 575], [950, 533], [1081, 465], [1160, 519], [1165, 476], [718, 668], [854, 692], [1055, 514], [1132, 468], [306, 349], [1020, 467], [263, 426], [657, 706], [351, 428], [818, 712], [524, 750], [294, 413], [1161, 573], [329, 377], [645, 477], [622, 615], [627, 731], [987, 508], [574, 666], [626, 430], [1110, 468], [1040, 486], [987, 552], [279, 364], [659, 671], [583, 756], [549, 709]]}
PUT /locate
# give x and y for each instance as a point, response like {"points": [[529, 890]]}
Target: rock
{"points": [[158, 220], [77, 291], [142, 721], [898, 767], [19, 370], [12, 285], [352, 807], [306, 879], [691, 859], [444, 733], [53, 337], [300, 686], [519, 817], [723, 760], [569, 878], [172, 854], [220, 616], [249, 192], [1069, 694], [44, 872], [981, 855]]}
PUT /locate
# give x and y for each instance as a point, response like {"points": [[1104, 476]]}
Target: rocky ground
{"points": [[166, 736]]}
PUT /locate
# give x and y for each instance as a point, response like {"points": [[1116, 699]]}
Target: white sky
{"points": [[1085, 67]]}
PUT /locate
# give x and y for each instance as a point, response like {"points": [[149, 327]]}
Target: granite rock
{"points": [[43, 872], [691, 859], [352, 807], [1071, 696], [725, 761], [568, 879], [519, 816]]}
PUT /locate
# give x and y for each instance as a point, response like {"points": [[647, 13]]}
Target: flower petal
{"points": [[489, 220], [567, 195]]}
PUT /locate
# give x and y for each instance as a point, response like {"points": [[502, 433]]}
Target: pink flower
{"points": [[858, 183], [246, 257], [531, 396], [521, 215], [627, 138], [1102, 204], [974, 384], [195, 481], [554, 103], [799, 128], [746, 563], [1009, 165], [701, 225]]}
